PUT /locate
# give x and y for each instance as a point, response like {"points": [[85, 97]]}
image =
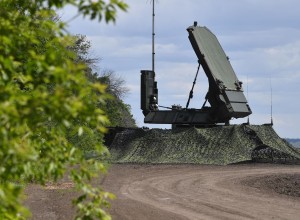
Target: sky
{"points": [[261, 38]]}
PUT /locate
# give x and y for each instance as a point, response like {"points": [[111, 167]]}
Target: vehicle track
{"points": [[180, 192], [200, 192]]}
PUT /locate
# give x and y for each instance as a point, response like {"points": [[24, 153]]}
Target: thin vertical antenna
{"points": [[153, 35], [271, 100], [248, 119]]}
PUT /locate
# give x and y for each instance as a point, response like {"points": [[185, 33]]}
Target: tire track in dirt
{"points": [[180, 192], [211, 192]]}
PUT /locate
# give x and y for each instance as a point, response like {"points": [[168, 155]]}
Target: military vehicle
{"points": [[195, 137], [225, 94]]}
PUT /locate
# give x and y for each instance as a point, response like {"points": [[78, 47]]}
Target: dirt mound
{"points": [[286, 184], [215, 145]]}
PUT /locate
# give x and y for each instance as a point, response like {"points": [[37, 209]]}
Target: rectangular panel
{"points": [[239, 107], [209, 50], [236, 96]]}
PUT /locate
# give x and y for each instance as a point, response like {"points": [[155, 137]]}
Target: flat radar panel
{"points": [[212, 56]]}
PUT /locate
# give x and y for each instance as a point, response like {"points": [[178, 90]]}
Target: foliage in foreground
{"points": [[42, 94]]}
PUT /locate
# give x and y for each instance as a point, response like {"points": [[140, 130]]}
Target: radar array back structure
{"points": [[225, 93]]}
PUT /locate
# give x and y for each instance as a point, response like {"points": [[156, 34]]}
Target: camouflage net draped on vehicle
{"points": [[215, 145]]}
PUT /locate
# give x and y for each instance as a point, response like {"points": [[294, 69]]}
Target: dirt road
{"points": [[191, 192]]}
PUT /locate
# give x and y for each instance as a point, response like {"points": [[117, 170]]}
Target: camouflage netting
{"points": [[216, 145]]}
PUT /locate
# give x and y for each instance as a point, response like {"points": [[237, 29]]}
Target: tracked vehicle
{"points": [[225, 94]]}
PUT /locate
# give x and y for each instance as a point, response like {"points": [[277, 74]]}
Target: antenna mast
{"points": [[248, 118], [153, 35], [271, 101]]}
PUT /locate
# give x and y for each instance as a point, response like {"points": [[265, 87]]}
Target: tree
{"points": [[42, 93], [119, 113]]}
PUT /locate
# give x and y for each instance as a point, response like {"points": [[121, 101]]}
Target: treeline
{"points": [[118, 112]]}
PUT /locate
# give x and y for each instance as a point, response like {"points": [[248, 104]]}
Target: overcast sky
{"points": [[261, 38]]}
